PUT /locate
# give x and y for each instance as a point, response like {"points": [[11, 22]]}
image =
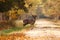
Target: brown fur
{"points": [[29, 21]]}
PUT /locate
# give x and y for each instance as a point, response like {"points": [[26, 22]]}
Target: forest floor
{"points": [[43, 30]]}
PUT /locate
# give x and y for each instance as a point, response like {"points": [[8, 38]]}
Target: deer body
{"points": [[29, 20]]}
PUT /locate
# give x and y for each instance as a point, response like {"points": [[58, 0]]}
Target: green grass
{"points": [[6, 31], [11, 30]]}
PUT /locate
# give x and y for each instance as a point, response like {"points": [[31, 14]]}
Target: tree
{"points": [[5, 6], [8, 4], [52, 8]]}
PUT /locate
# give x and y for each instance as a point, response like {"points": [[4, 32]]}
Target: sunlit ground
{"points": [[44, 30]]}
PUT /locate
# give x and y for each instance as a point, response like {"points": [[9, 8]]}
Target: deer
{"points": [[29, 20]]}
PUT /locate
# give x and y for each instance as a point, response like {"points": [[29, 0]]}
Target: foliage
{"points": [[8, 4], [5, 6], [52, 7]]}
